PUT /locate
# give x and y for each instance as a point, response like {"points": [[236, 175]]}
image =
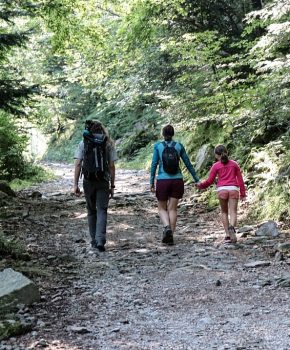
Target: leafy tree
{"points": [[12, 145], [12, 89]]}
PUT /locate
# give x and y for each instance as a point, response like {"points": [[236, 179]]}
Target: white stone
{"points": [[15, 288]]}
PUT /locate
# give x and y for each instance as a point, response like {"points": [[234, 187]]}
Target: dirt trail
{"points": [[140, 294]]}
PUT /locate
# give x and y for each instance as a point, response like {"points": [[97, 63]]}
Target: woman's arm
{"points": [[154, 163], [188, 164]]}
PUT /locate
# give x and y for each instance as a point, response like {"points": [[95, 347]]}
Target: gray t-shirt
{"points": [[111, 154]]}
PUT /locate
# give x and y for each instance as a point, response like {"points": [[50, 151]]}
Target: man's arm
{"points": [[78, 165]]}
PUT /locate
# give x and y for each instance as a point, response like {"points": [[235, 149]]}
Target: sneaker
{"points": [[167, 236], [227, 240], [232, 233], [101, 248]]}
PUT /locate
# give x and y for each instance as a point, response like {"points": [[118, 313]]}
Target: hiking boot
{"points": [[232, 234], [101, 248], [167, 236], [93, 244]]}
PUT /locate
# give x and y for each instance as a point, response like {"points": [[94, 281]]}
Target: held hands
{"points": [[197, 185], [152, 189]]}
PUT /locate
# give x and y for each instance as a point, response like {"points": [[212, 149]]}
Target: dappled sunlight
{"points": [[54, 344], [265, 166], [79, 215], [219, 72], [139, 287]]}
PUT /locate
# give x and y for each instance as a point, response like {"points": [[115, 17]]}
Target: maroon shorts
{"points": [[173, 188]]}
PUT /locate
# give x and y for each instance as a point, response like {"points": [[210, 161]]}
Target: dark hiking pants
{"points": [[97, 199]]}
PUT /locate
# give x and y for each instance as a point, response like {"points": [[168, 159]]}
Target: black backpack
{"points": [[95, 162], [170, 158]]}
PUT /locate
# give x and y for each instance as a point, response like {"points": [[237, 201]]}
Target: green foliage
{"points": [[141, 161], [32, 175], [13, 165], [130, 145], [14, 249], [9, 328], [272, 201], [209, 67], [12, 146]]}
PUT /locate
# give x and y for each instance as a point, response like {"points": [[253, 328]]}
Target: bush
{"points": [[12, 145]]}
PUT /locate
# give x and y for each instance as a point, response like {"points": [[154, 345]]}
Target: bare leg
{"points": [[224, 213], [233, 209], [163, 213], [172, 211]]}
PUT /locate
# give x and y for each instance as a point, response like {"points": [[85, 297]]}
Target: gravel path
{"points": [[140, 294]]}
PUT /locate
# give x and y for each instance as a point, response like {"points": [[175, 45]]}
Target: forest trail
{"points": [[140, 294]]}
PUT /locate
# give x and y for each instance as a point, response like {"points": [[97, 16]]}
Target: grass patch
{"points": [[34, 174], [210, 198], [9, 328], [12, 248], [142, 160], [272, 202]]}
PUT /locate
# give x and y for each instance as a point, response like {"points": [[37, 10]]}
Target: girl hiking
{"points": [[169, 184], [229, 184]]}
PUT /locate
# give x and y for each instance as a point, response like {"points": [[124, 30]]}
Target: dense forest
{"points": [[217, 70]]}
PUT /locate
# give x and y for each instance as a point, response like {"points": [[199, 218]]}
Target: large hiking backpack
{"points": [[95, 162], [170, 158]]}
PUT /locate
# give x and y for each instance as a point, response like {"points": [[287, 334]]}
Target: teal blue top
{"points": [[157, 160]]}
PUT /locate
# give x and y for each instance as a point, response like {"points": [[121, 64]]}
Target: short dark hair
{"points": [[168, 132]]}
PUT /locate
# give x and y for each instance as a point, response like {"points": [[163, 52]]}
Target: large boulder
{"points": [[5, 188], [204, 157], [268, 228], [15, 288]]}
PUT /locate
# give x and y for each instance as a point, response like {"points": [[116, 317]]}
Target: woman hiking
{"points": [[230, 186], [95, 159], [169, 185]]}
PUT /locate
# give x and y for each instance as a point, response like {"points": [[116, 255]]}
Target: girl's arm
{"points": [[210, 180], [241, 182]]}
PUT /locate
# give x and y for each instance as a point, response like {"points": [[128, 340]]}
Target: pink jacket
{"points": [[228, 175]]}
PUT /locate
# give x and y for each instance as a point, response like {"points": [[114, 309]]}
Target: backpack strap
{"points": [[166, 145]]}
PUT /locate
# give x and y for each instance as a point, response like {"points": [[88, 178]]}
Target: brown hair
{"points": [[223, 152], [168, 132], [97, 127]]}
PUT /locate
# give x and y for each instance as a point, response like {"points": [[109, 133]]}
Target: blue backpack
{"points": [[170, 158]]}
